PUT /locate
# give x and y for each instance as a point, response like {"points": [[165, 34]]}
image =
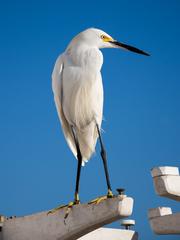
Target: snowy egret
{"points": [[78, 94]]}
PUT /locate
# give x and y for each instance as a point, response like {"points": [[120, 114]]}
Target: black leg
{"points": [[104, 158], [79, 157]]}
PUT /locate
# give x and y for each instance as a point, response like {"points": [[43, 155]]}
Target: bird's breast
{"points": [[82, 95]]}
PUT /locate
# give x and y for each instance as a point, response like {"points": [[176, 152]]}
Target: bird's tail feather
{"points": [[87, 141], [87, 137]]}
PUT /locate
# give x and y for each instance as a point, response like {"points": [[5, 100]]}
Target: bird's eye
{"points": [[103, 36], [106, 38]]}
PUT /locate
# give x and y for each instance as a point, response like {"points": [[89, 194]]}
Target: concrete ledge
{"points": [[164, 171], [163, 222], [2, 219], [110, 234], [167, 182], [82, 219], [158, 212]]}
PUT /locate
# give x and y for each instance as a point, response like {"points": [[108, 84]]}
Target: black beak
{"points": [[130, 48]]}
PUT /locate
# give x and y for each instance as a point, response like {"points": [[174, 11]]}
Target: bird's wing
{"points": [[82, 105], [57, 86]]}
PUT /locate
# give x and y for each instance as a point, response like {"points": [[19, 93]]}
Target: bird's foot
{"points": [[102, 198], [67, 206], [110, 194], [57, 208]]}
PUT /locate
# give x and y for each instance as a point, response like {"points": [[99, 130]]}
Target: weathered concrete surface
{"points": [[82, 219], [160, 211], [110, 234], [2, 219], [167, 182], [1, 235], [164, 171], [162, 221]]}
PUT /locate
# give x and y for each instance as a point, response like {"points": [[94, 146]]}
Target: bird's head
{"points": [[94, 37]]}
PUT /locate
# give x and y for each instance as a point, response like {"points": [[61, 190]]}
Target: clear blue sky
{"points": [[142, 103]]}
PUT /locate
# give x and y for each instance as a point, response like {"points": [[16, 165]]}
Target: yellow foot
{"points": [[110, 194], [67, 206], [102, 198], [58, 208]]}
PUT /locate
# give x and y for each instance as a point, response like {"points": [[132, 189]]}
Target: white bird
{"points": [[78, 93]]}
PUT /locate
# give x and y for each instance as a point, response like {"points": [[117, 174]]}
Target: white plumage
{"points": [[78, 90], [78, 93]]}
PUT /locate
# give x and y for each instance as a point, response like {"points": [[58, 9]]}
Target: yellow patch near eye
{"points": [[106, 38]]}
